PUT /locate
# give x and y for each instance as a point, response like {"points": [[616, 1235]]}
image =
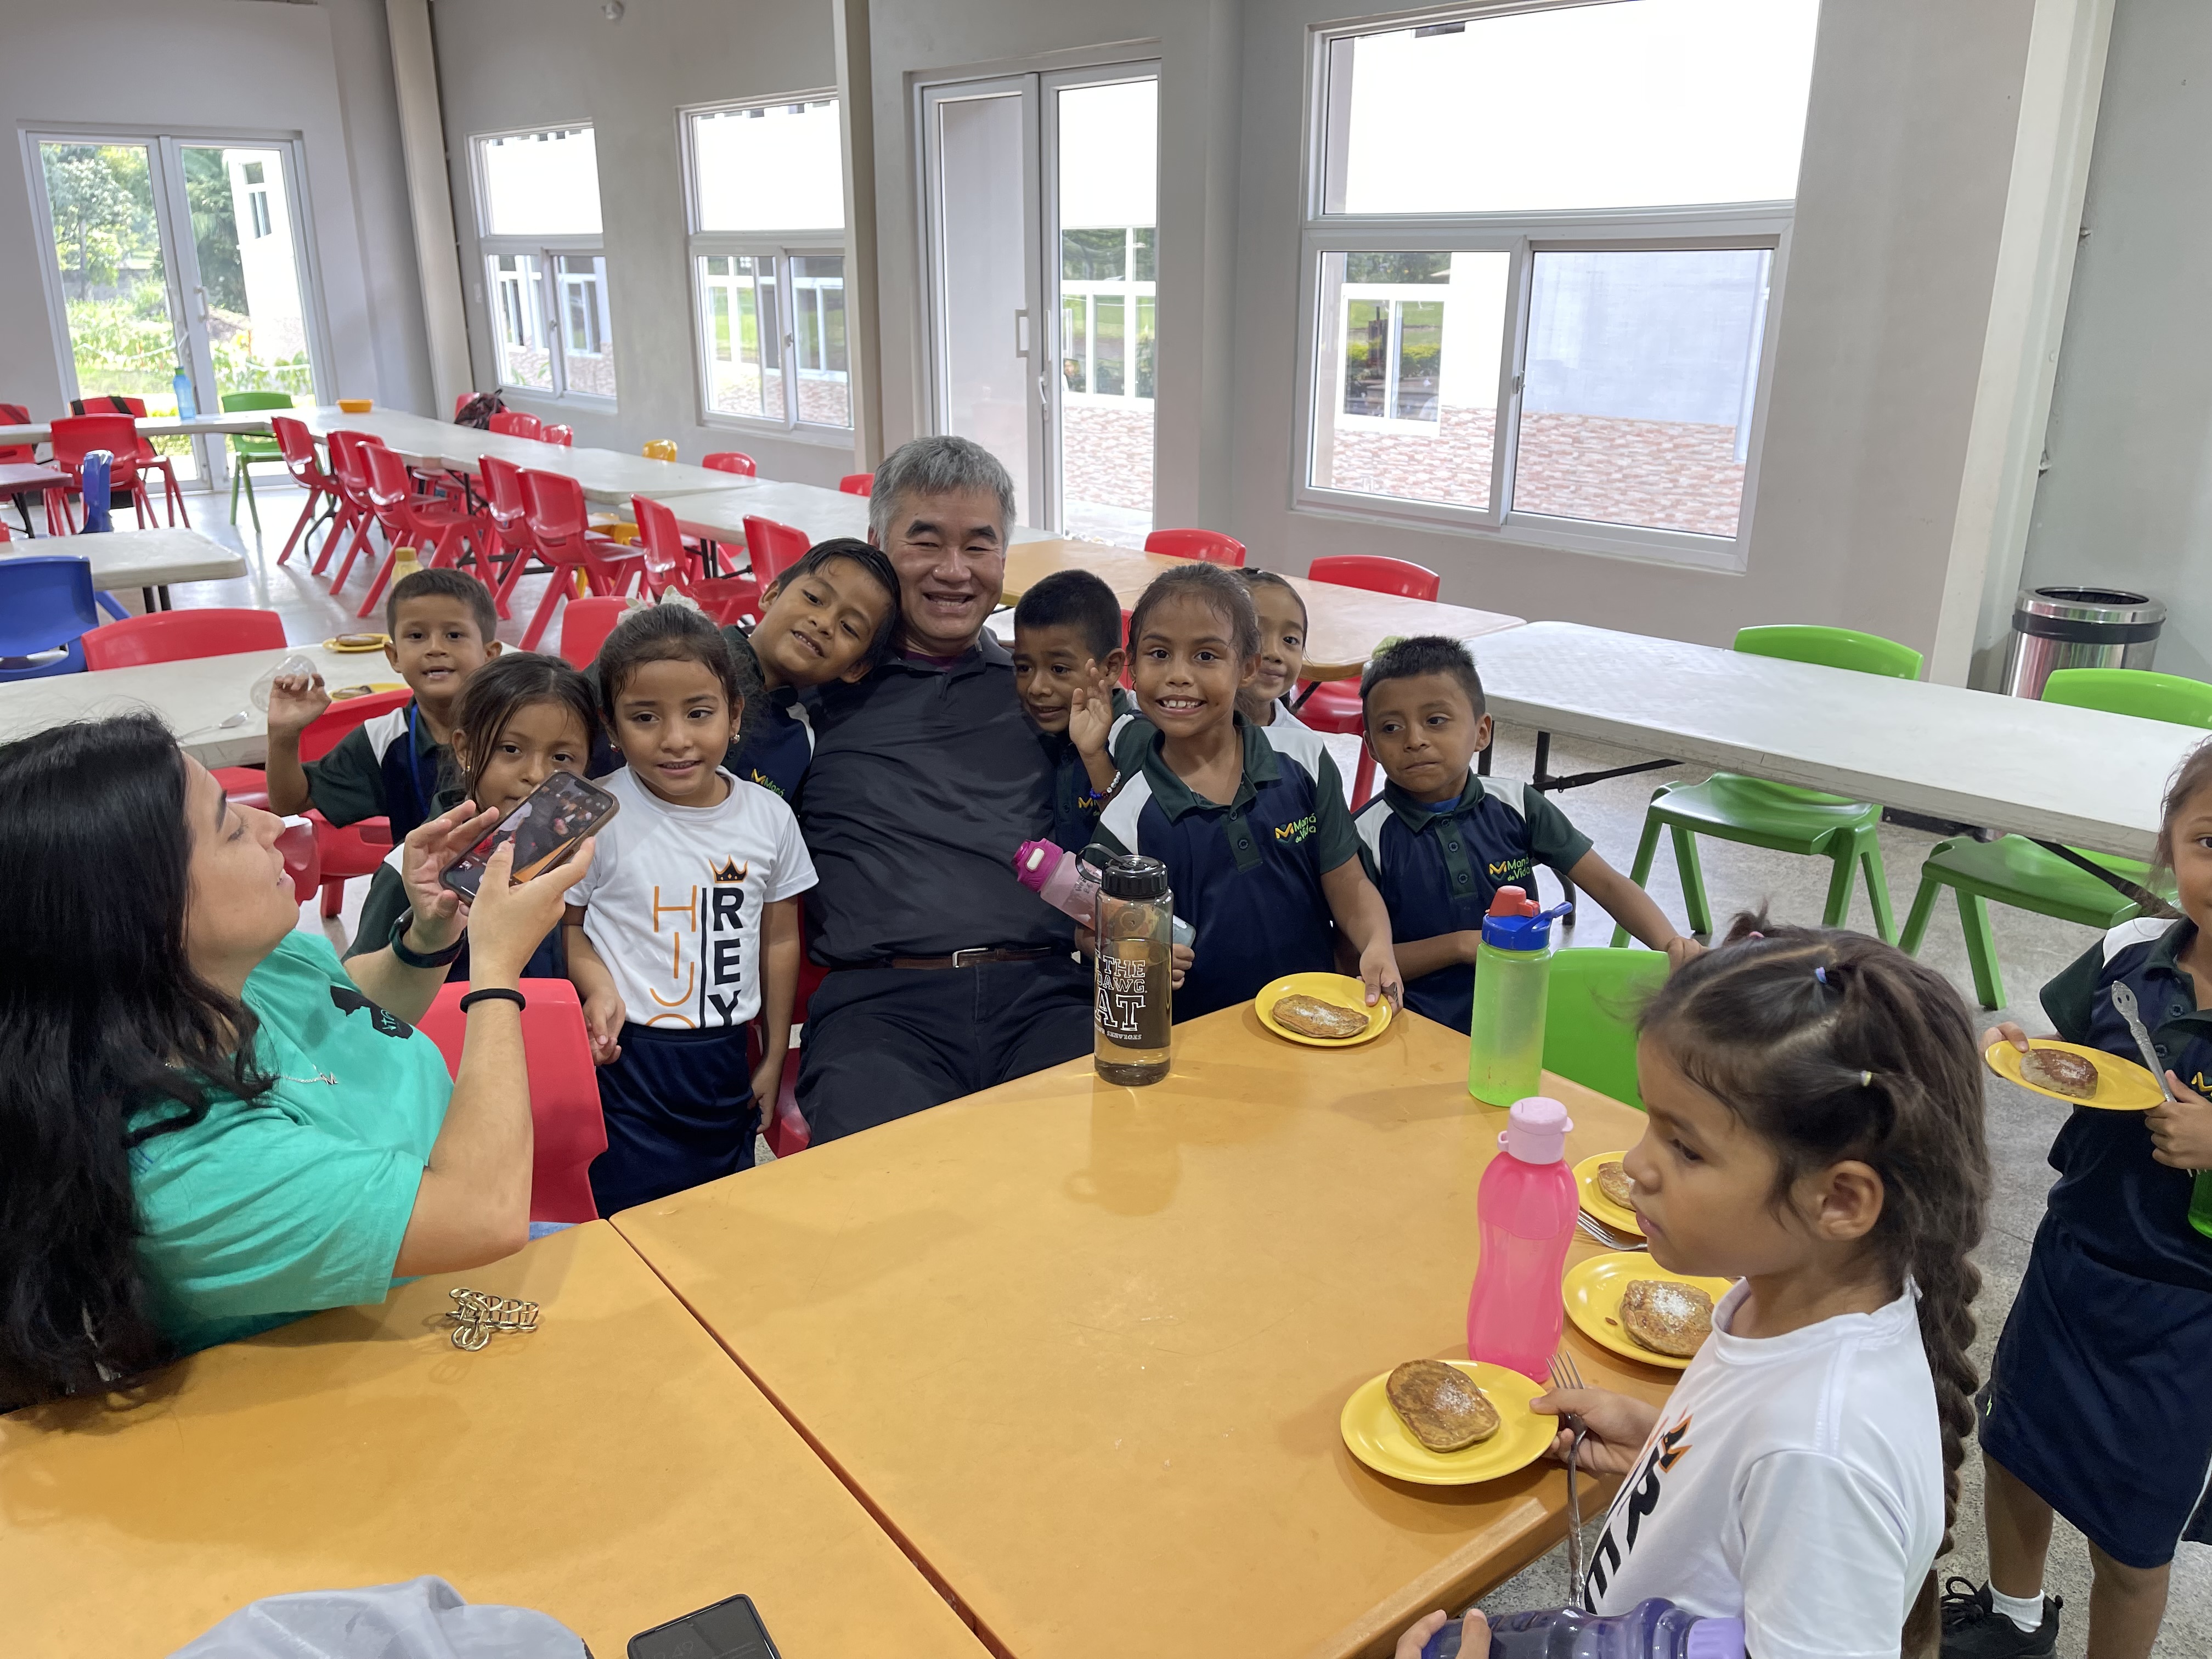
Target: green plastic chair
{"points": [[1780, 816], [2015, 870], [1590, 1017], [248, 447]]}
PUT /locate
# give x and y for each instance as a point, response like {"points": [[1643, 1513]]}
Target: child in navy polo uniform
{"points": [[1440, 841], [2095, 1405], [441, 623], [1266, 702], [830, 616], [1259, 847], [1068, 656]]}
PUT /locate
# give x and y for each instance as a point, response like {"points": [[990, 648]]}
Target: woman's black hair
{"points": [[506, 684], [677, 633], [1210, 584], [107, 1039], [1829, 1045]]}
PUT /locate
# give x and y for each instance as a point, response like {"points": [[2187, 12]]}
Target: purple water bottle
{"points": [[1652, 1629]]}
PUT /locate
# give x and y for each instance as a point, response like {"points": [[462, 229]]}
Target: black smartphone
{"points": [[545, 829], [730, 1629]]}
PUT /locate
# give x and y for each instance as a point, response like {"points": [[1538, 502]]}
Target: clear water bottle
{"points": [[1135, 1006], [187, 406], [1652, 1629], [1526, 1209], [1512, 976], [2200, 1205]]}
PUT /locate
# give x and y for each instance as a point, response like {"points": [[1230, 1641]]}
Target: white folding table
{"points": [[720, 515], [149, 560], [2076, 777], [608, 477]]}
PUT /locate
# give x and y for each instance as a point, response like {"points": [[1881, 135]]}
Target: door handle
{"points": [[1021, 334]]}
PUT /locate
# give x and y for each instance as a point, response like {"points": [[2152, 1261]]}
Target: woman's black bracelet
{"points": [[414, 958], [495, 993]]}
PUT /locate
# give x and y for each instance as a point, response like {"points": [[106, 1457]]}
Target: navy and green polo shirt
{"points": [[777, 740], [1076, 804], [2122, 1207], [1439, 863], [1246, 875], [389, 767]]}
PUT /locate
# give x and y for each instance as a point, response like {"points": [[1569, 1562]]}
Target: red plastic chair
{"points": [[567, 1128], [563, 435], [1333, 705], [178, 635], [149, 458], [560, 526], [585, 625], [514, 423], [297, 445], [74, 437], [297, 841], [1210, 545], [350, 467], [442, 532], [17, 455], [461, 400], [508, 514], [670, 563], [347, 850], [731, 460], [858, 483], [774, 548]]}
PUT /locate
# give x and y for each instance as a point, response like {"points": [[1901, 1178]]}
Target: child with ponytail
{"points": [[1815, 1134]]}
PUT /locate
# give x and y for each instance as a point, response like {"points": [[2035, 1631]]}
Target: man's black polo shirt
{"points": [[925, 783]]}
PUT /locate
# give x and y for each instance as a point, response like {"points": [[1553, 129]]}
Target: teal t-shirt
{"points": [[263, 1214]]}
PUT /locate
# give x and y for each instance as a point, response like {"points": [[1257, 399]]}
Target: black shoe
{"points": [[1974, 1629]]}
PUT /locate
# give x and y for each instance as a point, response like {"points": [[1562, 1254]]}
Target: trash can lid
{"points": [[2097, 605]]}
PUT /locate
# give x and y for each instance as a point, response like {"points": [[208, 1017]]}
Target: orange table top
{"points": [[1345, 625], [1083, 1348], [612, 1469]]}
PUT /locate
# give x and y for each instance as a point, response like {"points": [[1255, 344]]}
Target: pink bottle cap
{"points": [[1536, 1130]]}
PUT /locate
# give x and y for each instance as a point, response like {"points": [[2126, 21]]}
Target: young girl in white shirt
{"points": [[1816, 1134], [686, 928]]}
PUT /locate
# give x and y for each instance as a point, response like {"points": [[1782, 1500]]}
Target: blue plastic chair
{"points": [[47, 601]]}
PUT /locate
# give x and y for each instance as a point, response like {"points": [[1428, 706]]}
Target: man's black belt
{"points": [[969, 958]]}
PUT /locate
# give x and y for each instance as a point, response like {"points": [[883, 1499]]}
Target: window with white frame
{"points": [[538, 214], [768, 262], [1539, 253]]}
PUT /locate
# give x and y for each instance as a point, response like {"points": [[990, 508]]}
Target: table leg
{"points": [[167, 604], [146, 598], [1544, 779], [2153, 904]]}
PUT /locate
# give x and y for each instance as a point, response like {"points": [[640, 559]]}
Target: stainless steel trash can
{"points": [[2079, 627]]}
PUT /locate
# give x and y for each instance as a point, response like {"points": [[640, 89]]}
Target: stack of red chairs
{"points": [[297, 445], [349, 472], [669, 563], [441, 531], [76, 436], [561, 530], [148, 459]]}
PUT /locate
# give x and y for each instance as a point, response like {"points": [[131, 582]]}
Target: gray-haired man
{"points": [[927, 777]]}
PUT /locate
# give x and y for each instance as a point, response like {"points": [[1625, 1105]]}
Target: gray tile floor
{"points": [[2031, 949]]}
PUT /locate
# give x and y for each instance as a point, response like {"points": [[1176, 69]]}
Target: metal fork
{"points": [[1566, 1374], [1611, 1237]]}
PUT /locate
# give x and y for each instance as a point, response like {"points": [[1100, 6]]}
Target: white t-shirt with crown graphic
{"points": [[674, 895]]}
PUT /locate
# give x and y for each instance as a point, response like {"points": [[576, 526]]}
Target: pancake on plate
{"points": [[1613, 1180], [2072, 1075], [1665, 1316], [1441, 1405], [1315, 1017]]}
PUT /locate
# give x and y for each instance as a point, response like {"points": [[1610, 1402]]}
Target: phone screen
{"points": [[560, 812], [728, 1630]]}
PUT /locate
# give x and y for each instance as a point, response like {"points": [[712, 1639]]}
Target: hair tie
{"points": [[1821, 974], [1748, 938], [1865, 1079]]}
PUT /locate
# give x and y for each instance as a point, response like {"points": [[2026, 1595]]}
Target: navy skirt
{"points": [[679, 1109], [2096, 1399]]}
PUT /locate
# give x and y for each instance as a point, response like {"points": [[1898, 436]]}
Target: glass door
{"points": [[249, 295]]}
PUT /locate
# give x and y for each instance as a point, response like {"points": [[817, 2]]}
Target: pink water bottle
{"points": [[1526, 1206], [1059, 878]]}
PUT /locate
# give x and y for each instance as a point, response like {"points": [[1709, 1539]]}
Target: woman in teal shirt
{"points": [[208, 1124]]}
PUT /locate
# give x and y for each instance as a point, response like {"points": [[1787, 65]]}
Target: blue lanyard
{"points": [[414, 764]]}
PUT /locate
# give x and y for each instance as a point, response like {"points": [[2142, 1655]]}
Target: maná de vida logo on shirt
{"points": [[1638, 1499], [705, 928], [1505, 870], [1296, 831]]}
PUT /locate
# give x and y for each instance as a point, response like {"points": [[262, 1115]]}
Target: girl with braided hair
{"points": [[1816, 1134]]}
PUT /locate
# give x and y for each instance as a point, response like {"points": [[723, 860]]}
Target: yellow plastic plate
{"points": [[2121, 1085], [1341, 989], [1378, 1437], [377, 643], [1593, 1289], [1595, 1203]]}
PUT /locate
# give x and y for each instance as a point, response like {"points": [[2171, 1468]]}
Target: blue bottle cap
{"points": [[1521, 932]]}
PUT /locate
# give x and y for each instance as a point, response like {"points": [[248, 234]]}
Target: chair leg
{"points": [[307, 518], [236, 474], [1923, 908], [1843, 870], [1640, 872], [1877, 886], [556, 592], [1981, 948], [1693, 880], [245, 477], [333, 898]]}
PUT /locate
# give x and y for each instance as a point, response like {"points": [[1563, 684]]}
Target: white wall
{"points": [[2128, 499], [1900, 199], [516, 64], [221, 67]]}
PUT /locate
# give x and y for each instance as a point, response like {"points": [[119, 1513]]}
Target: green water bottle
{"points": [[2200, 1206], [1512, 974]]}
